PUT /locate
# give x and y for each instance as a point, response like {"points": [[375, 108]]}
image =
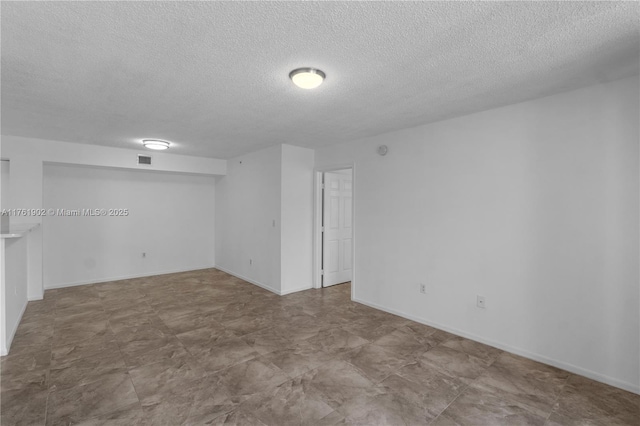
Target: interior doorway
{"points": [[335, 227]]}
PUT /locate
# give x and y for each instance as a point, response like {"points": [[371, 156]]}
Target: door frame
{"points": [[317, 223]]}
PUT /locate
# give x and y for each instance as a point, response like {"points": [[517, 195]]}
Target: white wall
{"points": [[297, 219], [264, 215], [533, 206], [26, 192], [28, 156], [14, 287], [4, 193], [248, 218], [170, 219], [13, 271], [4, 190], [3, 302]]}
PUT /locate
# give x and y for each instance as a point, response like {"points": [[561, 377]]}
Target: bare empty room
{"points": [[320, 213]]}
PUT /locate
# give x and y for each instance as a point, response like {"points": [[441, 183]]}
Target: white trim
{"points": [[3, 310], [517, 351], [353, 230], [334, 168], [295, 290], [12, 334], [266, 287], [317, 227], [127, 277], [249, 280], [317, 222]]}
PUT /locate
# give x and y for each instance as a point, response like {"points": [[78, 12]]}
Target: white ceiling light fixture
{"points": [[307, 78], [155, 144]]}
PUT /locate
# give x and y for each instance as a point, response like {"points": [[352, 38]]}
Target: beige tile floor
{"points": [[204, 347]]}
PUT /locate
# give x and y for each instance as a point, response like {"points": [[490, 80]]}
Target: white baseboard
{"points": [[12, 333], [259, 284], [266, 287], [297, 289], [126, 277], [517, 351]]}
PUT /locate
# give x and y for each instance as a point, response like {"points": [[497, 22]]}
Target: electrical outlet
{"points": [[480, 302], [250, 261], [423, 288]]}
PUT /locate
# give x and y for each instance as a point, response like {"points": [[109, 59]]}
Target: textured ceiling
{"points": [[213, 76]]}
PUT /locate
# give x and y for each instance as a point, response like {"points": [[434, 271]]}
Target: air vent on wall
{"points": [[144, 159]]}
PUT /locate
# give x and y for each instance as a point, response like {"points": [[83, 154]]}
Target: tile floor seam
{"points": [[450, 403], [133, 385], [46, 405], [553, 408], [509, 399]]}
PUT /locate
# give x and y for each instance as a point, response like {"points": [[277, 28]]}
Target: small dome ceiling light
{"points": [[307, 78], [155, 144]]}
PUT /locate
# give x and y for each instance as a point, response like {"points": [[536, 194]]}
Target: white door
{"points": [[337, 235]]}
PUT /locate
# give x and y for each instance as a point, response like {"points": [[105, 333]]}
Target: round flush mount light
{"points": [[155, 144], [307, 78], [382, 150]]}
